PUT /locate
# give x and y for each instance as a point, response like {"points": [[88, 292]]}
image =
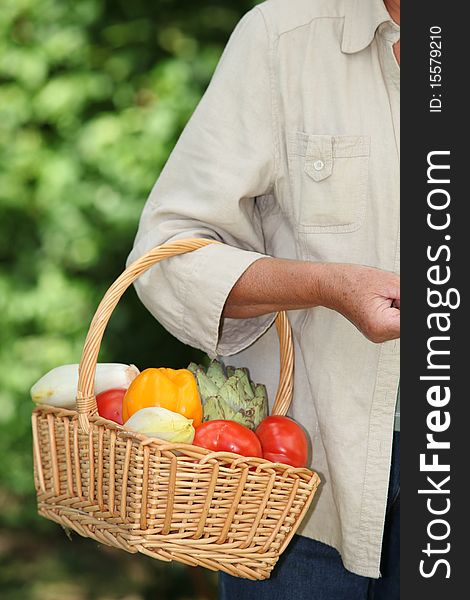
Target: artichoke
{"points": [[230, 394]]}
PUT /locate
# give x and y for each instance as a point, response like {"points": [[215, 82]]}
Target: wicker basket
{"points": [[169, 501]]}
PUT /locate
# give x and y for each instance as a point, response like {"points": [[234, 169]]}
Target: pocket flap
{"points": [[319, 156]]}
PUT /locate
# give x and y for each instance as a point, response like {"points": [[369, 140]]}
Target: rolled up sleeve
{"points": [[224, 159]]}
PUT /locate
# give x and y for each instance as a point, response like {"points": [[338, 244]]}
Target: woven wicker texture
{"points": [[169, 501]]}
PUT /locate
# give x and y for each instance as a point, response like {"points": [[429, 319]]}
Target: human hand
{"points": [[368, 297]]}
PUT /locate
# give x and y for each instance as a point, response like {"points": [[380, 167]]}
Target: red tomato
{"points": [[227, 436], [110, 404], [283, 440]]}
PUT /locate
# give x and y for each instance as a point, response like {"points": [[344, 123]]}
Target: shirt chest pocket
{"points": [[329, 179]]}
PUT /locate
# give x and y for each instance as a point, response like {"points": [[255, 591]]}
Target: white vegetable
{"points": [[59, 386], [161, 423]]}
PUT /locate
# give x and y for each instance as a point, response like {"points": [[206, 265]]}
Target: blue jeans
{"points": [[310, 569]]}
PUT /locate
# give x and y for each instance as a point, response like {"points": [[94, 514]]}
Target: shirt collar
{"points": [[361, 20]]}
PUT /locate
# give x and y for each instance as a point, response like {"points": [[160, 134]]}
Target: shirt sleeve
{"points": [[223, 160]]}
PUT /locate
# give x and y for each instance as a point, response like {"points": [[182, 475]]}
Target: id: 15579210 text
{"points": [[435, 68]]}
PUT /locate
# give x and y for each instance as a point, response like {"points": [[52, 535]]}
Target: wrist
{"points": [[324, 284]]}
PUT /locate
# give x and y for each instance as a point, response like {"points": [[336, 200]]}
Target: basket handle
{"points": [[86, 400]]}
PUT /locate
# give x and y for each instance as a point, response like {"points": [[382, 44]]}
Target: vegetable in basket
{"points": [[227, 436], [161, 423], [58, 387], [109, 404], [230, 396], [175, 390], [283, 440]]}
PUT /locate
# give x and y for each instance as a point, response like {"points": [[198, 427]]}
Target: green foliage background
{"points": [[93, 95]]}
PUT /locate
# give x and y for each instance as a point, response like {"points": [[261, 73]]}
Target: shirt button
{"points": [[318, 165]]}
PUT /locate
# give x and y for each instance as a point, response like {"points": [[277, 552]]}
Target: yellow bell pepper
{"points": [[175, 390]]}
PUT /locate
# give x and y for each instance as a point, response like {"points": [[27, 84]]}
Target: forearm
{"points": [[273, 284], [368, 297]]}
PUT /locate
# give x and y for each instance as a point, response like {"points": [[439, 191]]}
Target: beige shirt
{"points": [[293, 152]]}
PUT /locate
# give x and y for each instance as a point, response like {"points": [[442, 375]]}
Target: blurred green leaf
{"points": [[93, 96]]}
